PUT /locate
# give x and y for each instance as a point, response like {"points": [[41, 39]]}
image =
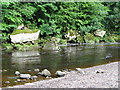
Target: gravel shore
{"points": [[74, 79]]}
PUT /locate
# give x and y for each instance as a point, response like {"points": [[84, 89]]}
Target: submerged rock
{"points": [[60, 73], [12, 77], [40, 73], [46, 73], [25, 76], [7, 82]]}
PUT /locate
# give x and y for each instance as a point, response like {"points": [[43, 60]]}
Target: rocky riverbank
{"points": [[103, 76]]}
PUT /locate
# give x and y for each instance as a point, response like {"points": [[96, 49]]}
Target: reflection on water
{"points": [[69, 57], [23, 60]]}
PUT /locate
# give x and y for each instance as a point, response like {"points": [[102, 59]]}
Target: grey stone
{"points": [[25, 76], [80, 70], [36, 70], [18, 80], [46, 73], [17, 73], [5, 70], [60, 73], [33, 77], [7, 82], [100, 33]]}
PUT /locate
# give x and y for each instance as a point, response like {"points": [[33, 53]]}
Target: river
{"points": [[69, 57]]}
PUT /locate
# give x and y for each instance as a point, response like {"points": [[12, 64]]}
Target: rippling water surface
{"points": [[69, 57]]}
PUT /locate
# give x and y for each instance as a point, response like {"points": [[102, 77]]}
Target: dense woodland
{"points": [[55, 18]]}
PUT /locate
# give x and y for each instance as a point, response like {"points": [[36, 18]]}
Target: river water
{"points": [[69, 57]]}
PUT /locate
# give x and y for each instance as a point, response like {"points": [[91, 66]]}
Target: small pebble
{"points": [[33, 77], [36, 70], [29, 70], [17, 73], [15, 81], [24, 80], [18, 80], [0, 70], [7, 82], [47, 77]]}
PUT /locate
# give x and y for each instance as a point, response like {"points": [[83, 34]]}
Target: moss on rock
{"points": [[89, 38], [111, 38], [63, 41], [7, 46], [18, 31], [80, 39]]}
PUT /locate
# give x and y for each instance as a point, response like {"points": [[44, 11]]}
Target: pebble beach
{"points": [[102, 76]]}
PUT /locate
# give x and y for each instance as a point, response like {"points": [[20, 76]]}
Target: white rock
{"points": [[17, 73], [60, 73], [5, 70], [29, 84], [80, 70], [18, 80], [46, 73], [100, 33], [40, 73], [33, 77], [24, 37], [20, 26], [7, 82], [36, 70], [25, 76]]}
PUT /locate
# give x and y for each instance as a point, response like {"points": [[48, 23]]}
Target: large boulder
{"points": [[25, 35], [50, 45], [99, 33], [46, 73]]}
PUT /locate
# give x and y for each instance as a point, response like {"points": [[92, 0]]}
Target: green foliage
{"points": [[55, 18], [113, 19]]}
